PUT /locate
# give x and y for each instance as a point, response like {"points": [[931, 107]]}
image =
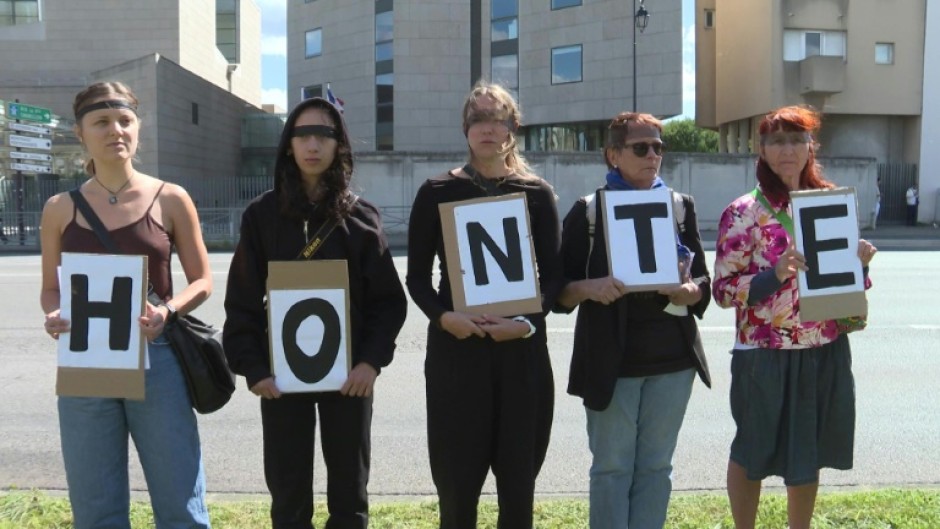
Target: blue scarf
{"points": [[616, 182]]}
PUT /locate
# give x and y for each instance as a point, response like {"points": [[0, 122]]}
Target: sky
{"points": [[274, 52]]}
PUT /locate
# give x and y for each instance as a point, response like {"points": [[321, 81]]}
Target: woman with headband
{"points": [[143, 215], [311, 189], [636, 354], [489, 384]]}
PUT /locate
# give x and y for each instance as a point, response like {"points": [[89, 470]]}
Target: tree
{"points": [[682, 135]]}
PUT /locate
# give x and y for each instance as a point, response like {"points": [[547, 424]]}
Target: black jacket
{"points": [[598, 335], [377, 300]]}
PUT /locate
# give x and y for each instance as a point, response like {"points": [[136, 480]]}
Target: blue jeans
{"points": [[94, 433], [633, 441]]}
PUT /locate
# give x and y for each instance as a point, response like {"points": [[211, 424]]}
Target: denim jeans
{"points": [[94, 433], [633, 441]]}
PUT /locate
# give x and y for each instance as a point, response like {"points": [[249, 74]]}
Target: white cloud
{"points": [[274, 96], [274, 45]]}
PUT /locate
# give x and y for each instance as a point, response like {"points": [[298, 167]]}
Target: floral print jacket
{"points": [[750, 241]]}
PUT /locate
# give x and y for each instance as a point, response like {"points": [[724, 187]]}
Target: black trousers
{"points": [[912, 215], [345, 429], [489, 407]]}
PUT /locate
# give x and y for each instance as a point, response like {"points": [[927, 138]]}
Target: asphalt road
{"points": [[895, 364]]}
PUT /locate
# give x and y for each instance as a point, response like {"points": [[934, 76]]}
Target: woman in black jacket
{"points": [[635, 353], [312, 172]]}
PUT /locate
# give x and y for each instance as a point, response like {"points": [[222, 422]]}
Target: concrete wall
{"points": [[929, 210], [391, 180]]}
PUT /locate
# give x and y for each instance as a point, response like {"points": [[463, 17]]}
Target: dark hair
{"points": [[107, 89], [619, 129], [796, 118], [288, 184]]}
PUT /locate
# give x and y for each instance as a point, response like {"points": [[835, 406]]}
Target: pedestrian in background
{"points": [[876, 207], [913, 199], [312, 174], [792, 389], [635, 354], [143, 216], [488, 380]]}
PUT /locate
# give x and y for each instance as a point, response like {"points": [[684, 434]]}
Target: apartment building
{"points": [[194, 65], [403, 68]]}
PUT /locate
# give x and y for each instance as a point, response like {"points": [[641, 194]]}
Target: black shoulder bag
{"points": [[197, 345]]}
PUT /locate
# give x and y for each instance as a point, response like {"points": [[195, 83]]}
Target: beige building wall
{"points": [[871, 109]]}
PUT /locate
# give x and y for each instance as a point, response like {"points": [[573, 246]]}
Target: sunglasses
{"points": [[642, 148]]}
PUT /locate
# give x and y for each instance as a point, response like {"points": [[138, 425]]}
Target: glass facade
{"points": [[584, 136], [384, 76], [226, 29], [17, 12]]}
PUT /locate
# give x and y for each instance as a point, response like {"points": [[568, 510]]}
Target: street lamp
{"points": [[641, 18]]}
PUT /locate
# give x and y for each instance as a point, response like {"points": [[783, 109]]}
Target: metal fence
{"points": [[896, 178]]}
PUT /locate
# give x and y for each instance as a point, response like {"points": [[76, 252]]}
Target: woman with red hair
{"points": [[792, 390]]}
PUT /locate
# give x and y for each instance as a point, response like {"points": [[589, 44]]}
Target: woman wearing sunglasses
{"points": [[634, 362]]}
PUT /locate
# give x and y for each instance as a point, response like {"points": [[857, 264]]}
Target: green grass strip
{"points": [[875, 509]]}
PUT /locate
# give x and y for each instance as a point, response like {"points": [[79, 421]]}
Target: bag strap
{"points": [[321, 235], [94, 221], [102, 233]]}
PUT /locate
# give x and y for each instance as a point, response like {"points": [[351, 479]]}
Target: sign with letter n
{"points": [[491, 256], [641, 238], [103, 354], [825, 225], [308, 325]]}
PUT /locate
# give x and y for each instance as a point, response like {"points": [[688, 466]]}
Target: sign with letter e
{"points": [[103, 353], [825, 225], [490, 256], [641, 238], [308, 325]]}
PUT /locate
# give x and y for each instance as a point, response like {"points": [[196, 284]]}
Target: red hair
{"points": [[797, 118]]}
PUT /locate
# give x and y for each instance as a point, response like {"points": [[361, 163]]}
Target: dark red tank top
{"points": [[144, 236]]}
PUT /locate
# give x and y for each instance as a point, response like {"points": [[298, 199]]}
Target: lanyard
{"points": [[782, 216]]}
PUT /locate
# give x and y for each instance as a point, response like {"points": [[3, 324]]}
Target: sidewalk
{"points": [[922, 237]]}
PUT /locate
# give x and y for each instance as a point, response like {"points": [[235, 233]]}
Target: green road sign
{"points": [[28, 113]]}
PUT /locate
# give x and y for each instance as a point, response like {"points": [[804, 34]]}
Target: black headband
{"points": [[109, 104], [324, 131]]}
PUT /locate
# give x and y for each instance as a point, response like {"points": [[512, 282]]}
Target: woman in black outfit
{"points": [[489, 384], [312, 172]]}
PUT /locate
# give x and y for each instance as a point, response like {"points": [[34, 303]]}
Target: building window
{"points": [[884, 53], [18, 12], [566, 64], [314, 43], [799, 44], [195, 113], [384, 76], [226, 29], [583, 137], [314, 90], [709, 18], [561, 4], [505, 71], [504, 29]]}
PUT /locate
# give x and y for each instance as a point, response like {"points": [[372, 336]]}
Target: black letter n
{"points": [[117, 311], [510, 264]]}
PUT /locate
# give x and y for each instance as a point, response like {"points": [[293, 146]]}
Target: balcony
{"points": [[822, 75]]}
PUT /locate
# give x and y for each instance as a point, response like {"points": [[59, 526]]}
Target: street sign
{"points": [[28, 113], [30, 168], [26, 142], [39, 157], [23, 127]]}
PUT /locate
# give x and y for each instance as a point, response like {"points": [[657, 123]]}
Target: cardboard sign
{"points": [[641, 238], [490, 256], [308, 325], [103, 354], [825, 225]]}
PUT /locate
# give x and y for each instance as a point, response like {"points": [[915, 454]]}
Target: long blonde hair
{"points": [[504, 99], [98, 91]]}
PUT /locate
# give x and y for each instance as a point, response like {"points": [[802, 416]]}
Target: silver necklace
{"points": [[113, 199]]}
